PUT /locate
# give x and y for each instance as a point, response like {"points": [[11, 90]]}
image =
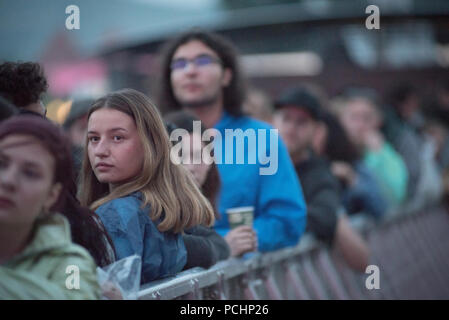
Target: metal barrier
{"points": [[411, 252]]}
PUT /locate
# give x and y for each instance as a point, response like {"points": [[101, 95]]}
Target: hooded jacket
{"points": [[50, 267]]}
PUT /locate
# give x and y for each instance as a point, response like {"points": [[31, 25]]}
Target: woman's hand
{"points": [[111, 292], [241, 240]]}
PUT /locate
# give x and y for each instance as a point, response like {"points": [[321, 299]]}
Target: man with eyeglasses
{"points": [[200, 74]]}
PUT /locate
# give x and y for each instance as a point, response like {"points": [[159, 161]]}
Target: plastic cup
{"points": [[240, 216]]}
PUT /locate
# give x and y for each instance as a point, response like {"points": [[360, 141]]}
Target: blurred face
{"points": [[114, 147], [26, 180], [359, 118], [200, 82], [199, 171], [257, 107], [296, 127]]}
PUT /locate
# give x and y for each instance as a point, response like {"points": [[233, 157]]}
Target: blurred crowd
{"points": [[103, 187]]}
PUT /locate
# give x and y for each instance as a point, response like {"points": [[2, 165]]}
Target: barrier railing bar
{"points": [[331, 275], [331, 282]]}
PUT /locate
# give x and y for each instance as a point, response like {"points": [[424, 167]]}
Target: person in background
{"points": [[200, 74], [205, 246], [436, 109], [143, 199], [297, 115], [362, 120], [23, 84], [76, 127], [258, 105], [439, 133], [436, 103], [404, 127], [86, 230], [37, 254], [360, 190]]}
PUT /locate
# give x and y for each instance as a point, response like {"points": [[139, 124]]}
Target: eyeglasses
{"points": [[199, 61]]}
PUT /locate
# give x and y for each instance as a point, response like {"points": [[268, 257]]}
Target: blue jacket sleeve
{"points": [[132, 232], [121, 220], [281, 210]]}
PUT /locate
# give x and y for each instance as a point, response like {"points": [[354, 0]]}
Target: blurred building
{"points": [[281, 42]]}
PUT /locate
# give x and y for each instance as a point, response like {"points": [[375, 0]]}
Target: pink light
{"points": [[64, 78]]}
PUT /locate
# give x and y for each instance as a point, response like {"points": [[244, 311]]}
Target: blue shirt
{"points": [[280, 209], [132, 232]]}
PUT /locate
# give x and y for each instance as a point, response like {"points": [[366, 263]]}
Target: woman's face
{"points": [[200, 170], [114, 147], [26, 180]]}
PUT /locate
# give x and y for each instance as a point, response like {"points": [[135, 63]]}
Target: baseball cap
{"points": [[300, 97]]}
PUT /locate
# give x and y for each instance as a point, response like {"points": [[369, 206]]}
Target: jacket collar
{"points": [[49, 233]]}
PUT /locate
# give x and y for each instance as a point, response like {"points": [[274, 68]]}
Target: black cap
{"points": [[302, 98]]}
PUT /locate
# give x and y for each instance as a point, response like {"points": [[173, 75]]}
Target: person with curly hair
{"points": [[22, 84]]}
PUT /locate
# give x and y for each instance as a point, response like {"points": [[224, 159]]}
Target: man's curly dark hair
{"points": [[22, 83]]}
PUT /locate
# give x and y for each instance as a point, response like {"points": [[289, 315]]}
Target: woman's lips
{"points": [[103, 167], [6, 203]]}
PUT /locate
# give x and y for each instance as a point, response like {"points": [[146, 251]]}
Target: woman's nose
{"points": [[102, 149], [8, 179]]}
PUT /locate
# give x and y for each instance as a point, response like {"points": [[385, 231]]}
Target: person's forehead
{"points": [[193, 48], [26, 148], [18, 139], [361, 105], [106, 118]]}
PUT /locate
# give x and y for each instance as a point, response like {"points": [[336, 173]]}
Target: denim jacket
{"points": [[133, 232]]}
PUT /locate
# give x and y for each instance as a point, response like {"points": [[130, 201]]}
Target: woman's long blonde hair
{"points": [[168, 188]]}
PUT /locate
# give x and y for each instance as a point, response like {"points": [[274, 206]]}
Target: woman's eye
{"points": [[31, 174], [93, 139], [118, 138]]}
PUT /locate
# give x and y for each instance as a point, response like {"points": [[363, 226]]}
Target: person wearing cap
{"points": [[297, 116]]}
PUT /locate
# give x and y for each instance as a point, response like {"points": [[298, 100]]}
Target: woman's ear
{"points": [[53, 196], [227, 77]]}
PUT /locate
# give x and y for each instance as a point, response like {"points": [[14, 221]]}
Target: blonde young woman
{"points": [[143, 199]]}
